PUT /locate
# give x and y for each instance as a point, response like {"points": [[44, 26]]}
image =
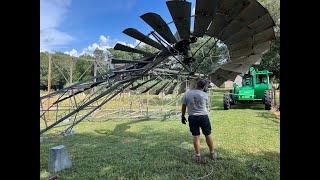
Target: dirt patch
{"points": [[276, 112]]}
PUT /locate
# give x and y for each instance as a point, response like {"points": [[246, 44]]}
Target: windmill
{"points": [[245, 26]]}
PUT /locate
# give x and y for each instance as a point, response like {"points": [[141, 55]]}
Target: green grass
{"points": [[247, 137]]}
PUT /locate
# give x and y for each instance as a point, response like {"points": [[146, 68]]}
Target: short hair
{"points": [[201, 83]]}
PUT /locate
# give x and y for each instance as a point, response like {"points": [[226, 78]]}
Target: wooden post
{"points": [[49, 84], [95, 74], [70, 82], [148, 99], [274, 96], [176, 101], [279, 98], [71, 66]]}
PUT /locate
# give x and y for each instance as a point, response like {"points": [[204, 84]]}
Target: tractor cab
{"points": [[255, 88], [261, 83], [246, 80]]}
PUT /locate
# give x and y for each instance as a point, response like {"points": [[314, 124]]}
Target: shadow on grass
{"points": [[268, 115], [153, 154], [256, 106], [119, 129]]}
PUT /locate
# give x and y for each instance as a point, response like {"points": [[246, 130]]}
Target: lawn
{"points": [[246, 136]]}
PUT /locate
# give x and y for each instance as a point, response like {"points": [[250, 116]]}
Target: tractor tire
{"points": [[267, 100], [226, 101], [231, 101]]}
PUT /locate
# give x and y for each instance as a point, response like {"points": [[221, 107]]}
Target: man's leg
{"points": [[210, 142], [206, 130], [195, 131], [196, 144]]}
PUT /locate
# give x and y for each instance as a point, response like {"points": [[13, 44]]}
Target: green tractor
{"points": [[256, 87]]}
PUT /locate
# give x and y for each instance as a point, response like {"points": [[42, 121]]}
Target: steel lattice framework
{"points": [[245, 26]]}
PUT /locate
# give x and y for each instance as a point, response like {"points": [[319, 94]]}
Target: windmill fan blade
{"points": [[148, 88], [140, 84], [252, 59], [161, 88], [141, 37], [126, 71], [249, 15], [240, 68], [122, 61], [250, 33], [205, 10], [183, 87], [226, 11], [245, 33], [220, 76], [181, 14], [171, 88], [248, 42], [257, 49], [160, 26], [122, 47]]}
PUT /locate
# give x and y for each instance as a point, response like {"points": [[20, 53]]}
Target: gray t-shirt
{"points": [[196, 101]]}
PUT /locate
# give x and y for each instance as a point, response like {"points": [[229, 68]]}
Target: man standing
{"points": [[195, 100]]}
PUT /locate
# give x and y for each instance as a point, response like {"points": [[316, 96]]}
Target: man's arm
{"points": [[183, 109]]}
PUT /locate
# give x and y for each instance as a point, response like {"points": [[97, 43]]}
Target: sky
{"points": [[76, 27]]}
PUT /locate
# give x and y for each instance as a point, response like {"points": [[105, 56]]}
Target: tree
{"points": [[99, 54], [44, 61], [81, 68], [209, 56], [271, 60], [273, 7]]}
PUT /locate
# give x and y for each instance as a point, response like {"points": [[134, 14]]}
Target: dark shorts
{"points": [[197, 122]]}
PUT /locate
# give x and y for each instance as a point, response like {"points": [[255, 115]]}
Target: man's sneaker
{"points": [[199, 159], [214, 155]]}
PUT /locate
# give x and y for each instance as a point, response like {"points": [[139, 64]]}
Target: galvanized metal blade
{"points": [[127, 71], [134, 33], [123, 61], [204, 13], [220, 76], [122, 47], [245, 34], [157, 92], [227, 10], [150, 87], [140, 84], [160, 26], [252, 59], [249, 15], [171, 88], [240, 68], [181, 14]]}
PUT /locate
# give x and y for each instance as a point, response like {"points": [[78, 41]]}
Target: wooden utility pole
{"points": [[148, 99], [49, 84], [70, 72], [95, 74], [70, 82]]}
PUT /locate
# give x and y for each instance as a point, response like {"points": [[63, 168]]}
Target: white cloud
{"points": [[127, 44], [193, 11], [73, 53], [52, 13], [104, 40], [104, 43], [137, 42]]}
